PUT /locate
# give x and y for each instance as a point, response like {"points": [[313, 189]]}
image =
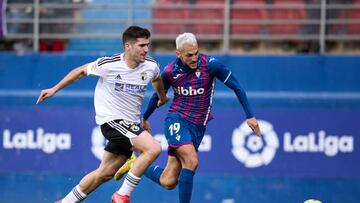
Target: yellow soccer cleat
{"points": [[125, 168]]}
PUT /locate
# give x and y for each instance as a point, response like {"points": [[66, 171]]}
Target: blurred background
{"points": [[298, 60]]}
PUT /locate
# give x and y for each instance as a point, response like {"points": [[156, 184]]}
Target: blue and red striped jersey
{"points": [[194, 89]]}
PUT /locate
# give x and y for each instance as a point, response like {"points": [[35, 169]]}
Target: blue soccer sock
{"points": [[154, 173], [185, 185]]}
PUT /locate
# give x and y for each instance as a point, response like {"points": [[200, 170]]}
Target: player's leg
{"points": [[189, 161], [125, 168], [150, 150], [107, 168], [168, 177]]}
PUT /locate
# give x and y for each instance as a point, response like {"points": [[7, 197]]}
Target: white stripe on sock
{"points": [[130, 183], [75, 195]]}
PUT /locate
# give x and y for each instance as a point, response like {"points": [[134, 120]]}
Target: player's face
{"points": [[189, 55], [138, 50]]}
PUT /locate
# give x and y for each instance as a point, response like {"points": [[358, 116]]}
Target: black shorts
{"points": [[118, 133]]}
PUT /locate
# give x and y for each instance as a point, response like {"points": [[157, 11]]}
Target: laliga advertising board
{"points": [[294, 142]]}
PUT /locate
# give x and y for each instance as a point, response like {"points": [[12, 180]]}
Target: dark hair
{"points": [[133, 32]]}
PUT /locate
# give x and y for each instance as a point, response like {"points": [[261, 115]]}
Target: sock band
{"points": [[74, 196], [133, 179], [154, 173], [78, 194], [130, 183], [185, 185]]}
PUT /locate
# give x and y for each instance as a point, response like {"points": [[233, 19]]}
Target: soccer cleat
{"points": [[125, 168], [116, 198]]}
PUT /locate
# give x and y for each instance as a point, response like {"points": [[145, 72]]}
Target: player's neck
{"points": [[131, 63]]}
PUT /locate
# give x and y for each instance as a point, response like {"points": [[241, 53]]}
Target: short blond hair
{"points": [[185, 38]]}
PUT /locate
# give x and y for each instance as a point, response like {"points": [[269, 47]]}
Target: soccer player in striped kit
{"points": [[192, 76], [119, 93]]}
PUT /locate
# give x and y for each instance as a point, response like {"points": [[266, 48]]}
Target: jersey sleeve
{"points": [[151, 107], [217, 69], [165, 78], [156, 71], [97, 68]]}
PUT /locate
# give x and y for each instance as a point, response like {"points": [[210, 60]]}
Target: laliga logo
{"points": [[252, 150], [37, 139], [98, 142]]}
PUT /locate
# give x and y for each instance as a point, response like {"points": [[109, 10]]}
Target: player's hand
{"points": [[162, 101], [44, 94], [254, 125], [146, 125]]}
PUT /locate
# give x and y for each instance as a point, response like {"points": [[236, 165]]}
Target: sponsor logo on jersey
{"points": [[130, 88], [119, 86], [189, 91]]}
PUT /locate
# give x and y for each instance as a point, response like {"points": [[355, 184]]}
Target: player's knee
{"points": [[191, 163], [155, 150], [169, 184]]}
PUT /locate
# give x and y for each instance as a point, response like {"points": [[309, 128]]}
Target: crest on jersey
{"points": [[143, 76], [197, 73]]}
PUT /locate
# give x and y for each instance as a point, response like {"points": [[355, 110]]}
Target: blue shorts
{"points": [[179, 132]]}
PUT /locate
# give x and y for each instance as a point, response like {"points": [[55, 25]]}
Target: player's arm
{"points": [[232, 83], [70, 78], [153, 103], [158, 86], [225, 76]]}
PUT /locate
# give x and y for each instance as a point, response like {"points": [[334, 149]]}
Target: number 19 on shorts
{"points": [[174, 128]]}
